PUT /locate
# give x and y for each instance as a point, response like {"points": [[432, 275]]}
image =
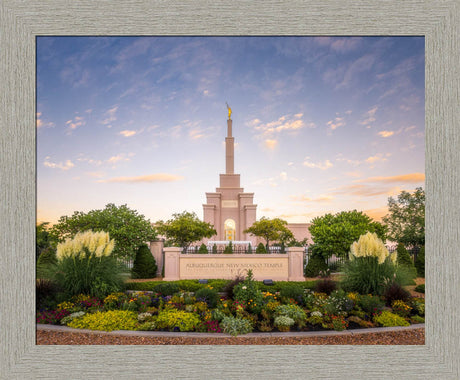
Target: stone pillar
{"points": [[172, 268], [295, 255], [156, 247]]}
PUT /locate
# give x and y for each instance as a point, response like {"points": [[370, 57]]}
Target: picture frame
{"points": [[21, 22]]}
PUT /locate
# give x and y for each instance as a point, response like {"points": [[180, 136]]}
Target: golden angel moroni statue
{"points": [[229, 111]]}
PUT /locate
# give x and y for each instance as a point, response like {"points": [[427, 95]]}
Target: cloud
{"points": [[386, 133], [304, 198], [349, 112], [119, 157], [41, 123], [284, 123], [95, 174], [196, 133], [336, 123], [110, 116], [405, 178], [370, 117], [127, 133], [160, 177], [270, 144], [364, 190], [74, 123], [355, 69], [377, 158], [320, 165], [63, 166]]}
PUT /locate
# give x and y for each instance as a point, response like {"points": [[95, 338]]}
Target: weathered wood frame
{"points": [[22, 21]]}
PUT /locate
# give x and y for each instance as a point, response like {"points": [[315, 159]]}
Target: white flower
{"points": [[244, 288]]}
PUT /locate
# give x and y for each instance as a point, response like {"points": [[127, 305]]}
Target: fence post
{"points": [[172, 261], [295, 262], [156, 247]]}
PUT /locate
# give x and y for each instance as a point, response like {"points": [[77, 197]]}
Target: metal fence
{"points": [[235, 250], [334, 263]]}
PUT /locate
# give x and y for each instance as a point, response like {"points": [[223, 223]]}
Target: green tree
{"points": [[144, 265], [334, 234], [128, 228], [270, 230], [420, 262], [404, 256], [203, 249], [406, 218], [44, 238], [184, 229]]}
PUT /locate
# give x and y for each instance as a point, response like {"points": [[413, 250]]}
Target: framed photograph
{"points": [[23, 24]]}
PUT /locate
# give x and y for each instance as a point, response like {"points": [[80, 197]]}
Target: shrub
{"points": [[229, 248], [115, 301], [420, 288], [261, 248], [230, 286], [403, 256], [292, 291], [395, 292], [106, 321], [46, 294], [295, 312], [173, 319], [417, 319], [208, 295], [247, 292], [214, 248], [236, 326], [401, 308], [144, 265], [316, 264], [249, 248], [370, 304], [420, 262], [339, 323], [69, 318], [418, 306], [203, 249], [388, 319], [325, 286], [167, 288], [46, 262], [283, 323], [338, 303], [86, 265], [51, 317]]}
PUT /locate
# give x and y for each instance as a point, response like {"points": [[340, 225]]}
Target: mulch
{"points": [[404, 337]]}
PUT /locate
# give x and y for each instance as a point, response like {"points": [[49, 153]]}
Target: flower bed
{"points": [[250, 310]]}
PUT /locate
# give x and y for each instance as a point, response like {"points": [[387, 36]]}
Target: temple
{"points": [[229, 208]]}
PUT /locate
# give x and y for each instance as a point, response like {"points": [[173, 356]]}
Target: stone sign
{"points": [[272, 266]]}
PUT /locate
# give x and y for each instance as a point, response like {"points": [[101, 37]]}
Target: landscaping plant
{"points": [[85, 265]]}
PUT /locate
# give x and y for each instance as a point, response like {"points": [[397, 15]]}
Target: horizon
{"points": [[321, 124]]}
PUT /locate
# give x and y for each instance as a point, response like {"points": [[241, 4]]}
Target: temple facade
{"points": [[229, 209]]}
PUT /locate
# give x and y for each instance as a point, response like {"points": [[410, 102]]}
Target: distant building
{"points": [[231, 210]]}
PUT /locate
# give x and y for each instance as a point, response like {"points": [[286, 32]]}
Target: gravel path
{"points": [[412, 336]]}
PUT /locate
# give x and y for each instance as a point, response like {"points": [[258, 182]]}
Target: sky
{"points": [[321, 124]]}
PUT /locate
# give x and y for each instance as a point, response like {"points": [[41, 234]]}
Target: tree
{"points": [[128, 228], [334, 234], [184, 229], [406, 218], [144, 265], [270, 230], [44, 239], [404, 256]]}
